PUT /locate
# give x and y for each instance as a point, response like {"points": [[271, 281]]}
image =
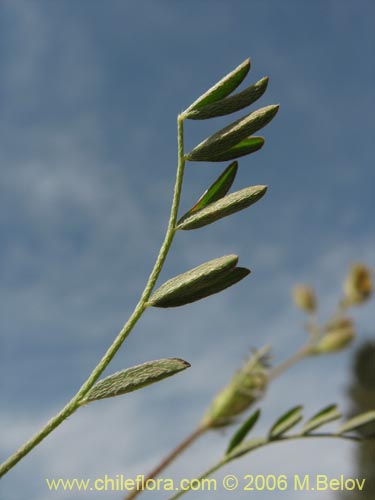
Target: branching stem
{"points": [[191, 438], [225, 460]]}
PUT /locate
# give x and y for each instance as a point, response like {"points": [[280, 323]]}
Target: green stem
{"points": [[291, 361], [227, 459], [202, 429], [74, 403]]}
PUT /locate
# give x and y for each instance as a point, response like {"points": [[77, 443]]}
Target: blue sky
{"points": [[89, 95]]}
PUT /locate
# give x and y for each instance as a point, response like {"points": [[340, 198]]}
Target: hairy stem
{"points": [[227, 459], [74, 403], [202, 429]]}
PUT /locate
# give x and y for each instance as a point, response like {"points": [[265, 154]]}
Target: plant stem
{"points": [[74, 403], [226, 459], [189, 440], [289, 362], [202, 429]]}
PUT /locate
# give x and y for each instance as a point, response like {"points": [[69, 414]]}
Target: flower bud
{"points": [[246, 387], [304, 298], [358, 285], [339, 334]]}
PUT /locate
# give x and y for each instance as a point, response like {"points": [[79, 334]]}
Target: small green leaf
{"points": [[214, 286], [243, 431], [246, 447], [216, 191], [232, 134], [234, 276], [134, 378], [243, 148], [230, 104], [357, 421], [286, 422], [224, 87], [184, 285], [207, 279], [328, 414], [228, 205]]}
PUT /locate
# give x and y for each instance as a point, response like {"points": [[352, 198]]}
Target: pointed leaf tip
{"points": [[202, 281], [224, 207], [247, 146], [232, 134], [230, 104], [324, 416], [231, 278], [223, 87], [134, 378], [286, 422]]}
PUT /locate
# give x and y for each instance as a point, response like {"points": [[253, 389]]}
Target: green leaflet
{"points": [[231, 278], [234, 276], [207, 279], [286, 422], [228, 205], [134, 378], [243, 431], [328, 414], [243, 148], [230, 104], [232, 134], [223, 87], [246, 447], [357, 421], [216, 191]]}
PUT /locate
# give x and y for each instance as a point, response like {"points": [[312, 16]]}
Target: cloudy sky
{"points": [[89, 94]]}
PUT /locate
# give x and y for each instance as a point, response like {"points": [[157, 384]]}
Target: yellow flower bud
{"points": [[304, 298], [246, 387], [339, 334], [358, 285]]}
